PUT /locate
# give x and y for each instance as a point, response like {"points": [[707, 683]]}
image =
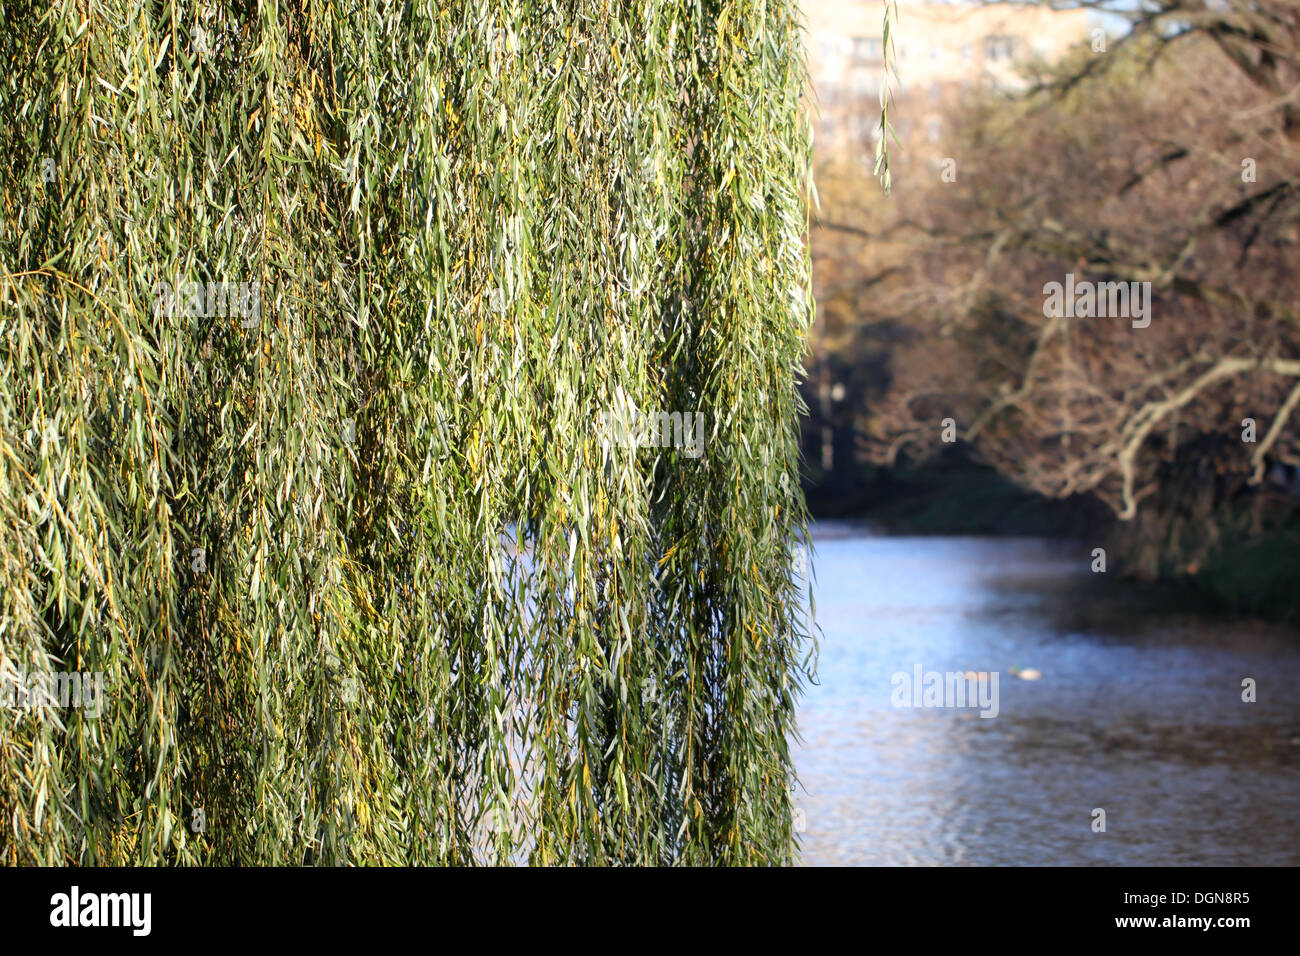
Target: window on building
{"points": [[866, 49], [833, 45], [999, 48]]}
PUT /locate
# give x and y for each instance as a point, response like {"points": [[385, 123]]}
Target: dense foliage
{"points": [[363, 578]]}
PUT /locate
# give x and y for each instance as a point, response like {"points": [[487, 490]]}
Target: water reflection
{"points": [[1138, 714]]}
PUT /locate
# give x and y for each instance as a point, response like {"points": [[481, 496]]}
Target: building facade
{"points": [[939, 48]]}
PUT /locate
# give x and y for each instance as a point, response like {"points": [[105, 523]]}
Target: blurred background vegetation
{"points": [[1155, 142]]}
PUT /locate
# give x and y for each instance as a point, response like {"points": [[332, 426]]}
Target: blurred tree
{"points": [[1169, 159]]}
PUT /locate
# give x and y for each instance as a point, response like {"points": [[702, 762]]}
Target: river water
{"points": [[1137, 714]]}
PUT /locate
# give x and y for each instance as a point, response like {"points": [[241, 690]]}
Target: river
{"points": [[1137, 714]]}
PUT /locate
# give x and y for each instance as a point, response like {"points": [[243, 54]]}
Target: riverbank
{"points": [[1254, 574]]}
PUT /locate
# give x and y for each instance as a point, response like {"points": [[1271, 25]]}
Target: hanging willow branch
{"points": [[310, 314]]}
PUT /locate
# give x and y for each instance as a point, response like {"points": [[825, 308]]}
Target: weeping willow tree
{"points": [[311, 313]]}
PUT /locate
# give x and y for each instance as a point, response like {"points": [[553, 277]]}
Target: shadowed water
{"points": [[1138, 714]]}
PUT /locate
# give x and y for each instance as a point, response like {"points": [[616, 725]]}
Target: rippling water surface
{"points": [[1140, 715]]}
